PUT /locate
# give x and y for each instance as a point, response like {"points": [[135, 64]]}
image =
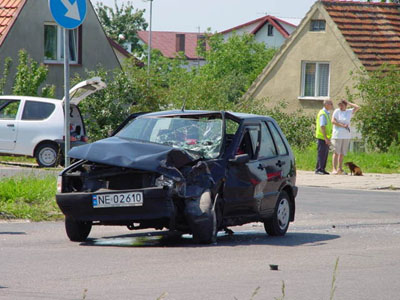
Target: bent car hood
{"points": [[135, 154]]}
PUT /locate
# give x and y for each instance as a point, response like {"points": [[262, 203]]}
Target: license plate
{"points": [[118, 200]]}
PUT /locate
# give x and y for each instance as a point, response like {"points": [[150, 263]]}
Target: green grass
{"points": [[386, 163], [31, 198], [18, 159]]}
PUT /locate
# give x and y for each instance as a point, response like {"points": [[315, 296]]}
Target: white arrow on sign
{"points": [[72, 10]]}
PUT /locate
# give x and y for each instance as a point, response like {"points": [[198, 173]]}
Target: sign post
{"points": [[68, 14]]}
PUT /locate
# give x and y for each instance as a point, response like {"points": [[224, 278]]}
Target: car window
{"points": [[8, 109], [282, 150], [199, 134], [250, 142], [267, 147], [34, 110]]}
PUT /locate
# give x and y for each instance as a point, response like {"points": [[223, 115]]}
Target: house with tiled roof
{"points": [[171, 43], [268, 29], [29, 25], [334, 39]]}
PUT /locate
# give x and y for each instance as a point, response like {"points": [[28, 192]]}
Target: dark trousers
{"points": [[323, 151]]}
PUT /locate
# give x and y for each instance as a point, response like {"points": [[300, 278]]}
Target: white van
{"points": [[33, 126]]}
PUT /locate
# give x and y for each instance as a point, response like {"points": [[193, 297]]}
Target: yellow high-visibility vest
{"points": [[328, 126]]}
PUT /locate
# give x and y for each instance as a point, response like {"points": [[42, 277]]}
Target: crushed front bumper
{"points": [[157, 205]]}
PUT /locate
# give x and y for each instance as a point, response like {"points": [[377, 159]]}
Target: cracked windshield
{"points": [[197, 134]]}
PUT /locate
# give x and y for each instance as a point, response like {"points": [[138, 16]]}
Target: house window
{"points": [[315, 79], [54, 44], [270, 30], [317, 25]]}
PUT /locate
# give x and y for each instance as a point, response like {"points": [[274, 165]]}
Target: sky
{"points": [[198, 15]]}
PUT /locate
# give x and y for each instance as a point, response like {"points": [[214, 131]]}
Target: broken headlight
{"points": [[164, 181]]}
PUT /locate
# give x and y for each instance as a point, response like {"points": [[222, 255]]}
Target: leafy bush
{"points": [[298, 128], [127, 92], [30, 76], [379, 117]]}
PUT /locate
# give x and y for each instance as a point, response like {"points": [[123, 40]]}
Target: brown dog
{"points": [[354, 168]]}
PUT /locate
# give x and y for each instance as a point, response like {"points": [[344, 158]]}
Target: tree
{"points": [[30, 76], [122, 24], [379, 117], [6, 72]]}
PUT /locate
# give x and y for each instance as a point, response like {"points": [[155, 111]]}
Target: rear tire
{"points": [[47, 155], [77, 231], [279, 223]]}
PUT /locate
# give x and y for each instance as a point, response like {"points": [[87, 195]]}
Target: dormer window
{"points": [[270, 30], [317, 25], [180, 42]]}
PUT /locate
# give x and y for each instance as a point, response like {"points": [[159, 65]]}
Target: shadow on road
{"points": [[12, 232], [240, 238]]}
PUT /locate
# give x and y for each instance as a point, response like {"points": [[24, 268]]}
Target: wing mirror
{"points": [[240, 159]]}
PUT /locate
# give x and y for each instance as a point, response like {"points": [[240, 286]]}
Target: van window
{"points": [[282, 150], [34, 110], [8, 109]]}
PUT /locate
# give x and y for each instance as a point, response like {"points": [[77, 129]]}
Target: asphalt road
{"points": [[360, 228]]}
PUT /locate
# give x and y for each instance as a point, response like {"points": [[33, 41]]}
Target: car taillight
{"points": [[59, 184], [84, 139]]}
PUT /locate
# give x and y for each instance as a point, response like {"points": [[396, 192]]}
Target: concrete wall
{"points": [[28, 33], [283, 81]]}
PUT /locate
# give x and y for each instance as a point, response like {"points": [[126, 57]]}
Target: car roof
{"points": [[40, 99], [235, 115]]}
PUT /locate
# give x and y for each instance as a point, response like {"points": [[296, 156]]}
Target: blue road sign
{"points": [[68, 13]]}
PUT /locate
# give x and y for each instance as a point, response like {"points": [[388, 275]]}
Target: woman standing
{"points": [[341, 133]]}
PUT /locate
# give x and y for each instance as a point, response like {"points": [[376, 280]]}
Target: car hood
{"points": [[135, 154]]}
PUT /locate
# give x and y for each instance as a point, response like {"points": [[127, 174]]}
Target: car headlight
{"points": [[164, 181], [59, 184]]}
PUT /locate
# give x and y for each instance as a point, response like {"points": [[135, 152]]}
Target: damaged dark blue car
{"points": [[193, 172]]}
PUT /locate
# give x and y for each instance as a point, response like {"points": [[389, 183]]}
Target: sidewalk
{"points": [[369, 181]]}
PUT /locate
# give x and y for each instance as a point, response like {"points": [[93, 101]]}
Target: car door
{"points": [[243, 190], [8, 123], [271, 163]]}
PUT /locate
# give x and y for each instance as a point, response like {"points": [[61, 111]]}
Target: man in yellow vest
{"points": [[323, 133]]}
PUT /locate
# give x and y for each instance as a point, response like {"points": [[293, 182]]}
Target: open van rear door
{"points": [[85, 88]]}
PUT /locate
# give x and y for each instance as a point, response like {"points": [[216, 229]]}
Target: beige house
{"points": [[334, 39]]}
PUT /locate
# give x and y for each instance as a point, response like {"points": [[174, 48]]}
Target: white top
{"points": [[343, 117]]}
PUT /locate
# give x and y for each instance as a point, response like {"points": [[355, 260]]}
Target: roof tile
{"points": [[9, 10], [165, 41], [371, 29]]}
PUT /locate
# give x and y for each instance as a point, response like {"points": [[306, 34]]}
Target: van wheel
{"points": [[77, 231], [279, 223], [47, 155]]}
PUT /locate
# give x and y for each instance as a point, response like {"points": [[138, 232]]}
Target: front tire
{"points": [[47, 155], [77, 231], [279, 223], [202, 219]]}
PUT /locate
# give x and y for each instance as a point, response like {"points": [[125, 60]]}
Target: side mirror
{"points": [[240, 159]]}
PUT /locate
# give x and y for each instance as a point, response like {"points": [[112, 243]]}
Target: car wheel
{"points": [[47, 155], [202, 219], [279, 223], [77, 231]]}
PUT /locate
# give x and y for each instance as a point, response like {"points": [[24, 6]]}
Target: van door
{"points": [[77, 93], [8, 123]]}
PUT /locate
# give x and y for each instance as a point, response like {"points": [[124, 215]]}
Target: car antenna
{"points": [[184, 104]]}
